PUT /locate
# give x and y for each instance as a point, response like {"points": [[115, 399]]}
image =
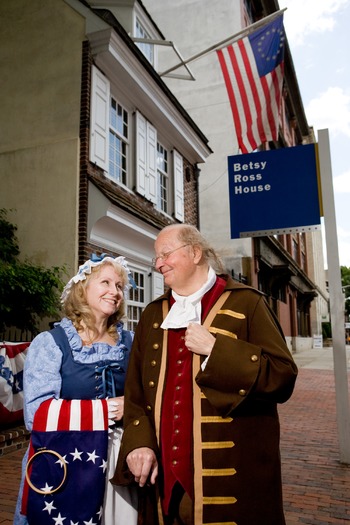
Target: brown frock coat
{"points": [[236, 457]]}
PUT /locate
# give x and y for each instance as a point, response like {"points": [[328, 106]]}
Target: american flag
{"points": [[253, 70], [71, 439]]}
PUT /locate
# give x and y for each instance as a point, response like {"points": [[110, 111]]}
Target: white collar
{"points": [[188, 309]]}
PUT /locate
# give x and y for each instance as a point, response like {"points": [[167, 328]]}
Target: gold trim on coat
{"points": [[216, 419], [217, 444], [219, 500], [232, 313], [220, 523], [197, 420], [221, 331], [219, 471]]}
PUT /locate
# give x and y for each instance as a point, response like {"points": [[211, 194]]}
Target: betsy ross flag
{"points": [[67, 462], [253, 71]]}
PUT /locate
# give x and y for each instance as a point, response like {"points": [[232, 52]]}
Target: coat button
{"points": [[151, 384], [155, 325], [149, 408], [153, 362], [156, 346], [242, 392], [254, 358], [136, 422]]}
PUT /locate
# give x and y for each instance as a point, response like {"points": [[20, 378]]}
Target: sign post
{"points": [[336, 299]]}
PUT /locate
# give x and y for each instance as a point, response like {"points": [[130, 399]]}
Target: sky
{"points": [[318, 33]]}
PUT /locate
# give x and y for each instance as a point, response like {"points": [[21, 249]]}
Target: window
{"points": [[118, 142], [136, 301], [147, 49], [162, 178]]}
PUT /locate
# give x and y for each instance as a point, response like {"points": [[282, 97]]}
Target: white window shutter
{"points": [[141, 153], [157, 284], [152, 162], [178, 186], [99, 120]]}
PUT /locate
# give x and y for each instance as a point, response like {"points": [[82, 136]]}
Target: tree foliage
{"points": [[345, 281], [28, 292]]}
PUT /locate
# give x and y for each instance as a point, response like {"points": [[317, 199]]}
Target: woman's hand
{"points": [[115, 408]]}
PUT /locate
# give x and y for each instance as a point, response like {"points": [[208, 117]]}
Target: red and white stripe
{"points": [[61, 414], [255, 102]]}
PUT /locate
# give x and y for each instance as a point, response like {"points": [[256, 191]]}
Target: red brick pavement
{"points": [[10, 468], [316, 485]]}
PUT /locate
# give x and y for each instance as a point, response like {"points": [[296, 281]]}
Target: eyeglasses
{"points": [[165, 255]]}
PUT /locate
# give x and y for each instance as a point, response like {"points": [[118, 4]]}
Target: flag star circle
{"points": [[92, 456], [47, 488], [90, 522], [76, 454], [61, 462], [104, 465], [49, 506], [280, 45], [59, 520]]}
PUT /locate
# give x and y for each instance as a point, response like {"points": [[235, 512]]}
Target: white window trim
{"points": [[99, 125], [146, 158], [157, 284], [179, 208]]}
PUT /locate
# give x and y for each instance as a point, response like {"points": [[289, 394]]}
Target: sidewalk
{"points": [[316, 485]]}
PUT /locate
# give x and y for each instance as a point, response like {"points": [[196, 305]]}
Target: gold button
{"points": [[151, 384], [155, 325], [153, 362], [176, 416], [156, 346], [174, 462], [242, 392], [254, 358], [149, 408], [177, 402], [179, 362], [175, 447], [177, 431], [136, 423]]}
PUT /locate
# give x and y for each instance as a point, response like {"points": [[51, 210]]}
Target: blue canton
{"points": [[267, 44]]}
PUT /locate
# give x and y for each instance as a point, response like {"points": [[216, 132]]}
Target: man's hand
{"points": [[198, 339], [142, 463]]}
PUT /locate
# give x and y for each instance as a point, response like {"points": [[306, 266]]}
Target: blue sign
{"points": [[274, 192]]}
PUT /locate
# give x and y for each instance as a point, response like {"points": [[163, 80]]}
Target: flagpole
{"points": [[246, 30], [336, 299]]}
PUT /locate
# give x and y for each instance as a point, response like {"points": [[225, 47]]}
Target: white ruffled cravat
{"points": [[188, 309]]}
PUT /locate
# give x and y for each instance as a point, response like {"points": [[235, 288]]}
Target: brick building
{"points": [[96, 154]]}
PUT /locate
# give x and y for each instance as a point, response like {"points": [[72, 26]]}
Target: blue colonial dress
{"points": [[58, 366]]}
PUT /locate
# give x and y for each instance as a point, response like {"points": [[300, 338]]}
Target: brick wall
{"points": [[13, 439]]}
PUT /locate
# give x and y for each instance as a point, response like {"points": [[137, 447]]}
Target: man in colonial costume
{"points": [[209, 365]]}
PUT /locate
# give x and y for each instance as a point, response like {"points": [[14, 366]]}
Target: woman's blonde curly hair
{"points": [[76, 308]]}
